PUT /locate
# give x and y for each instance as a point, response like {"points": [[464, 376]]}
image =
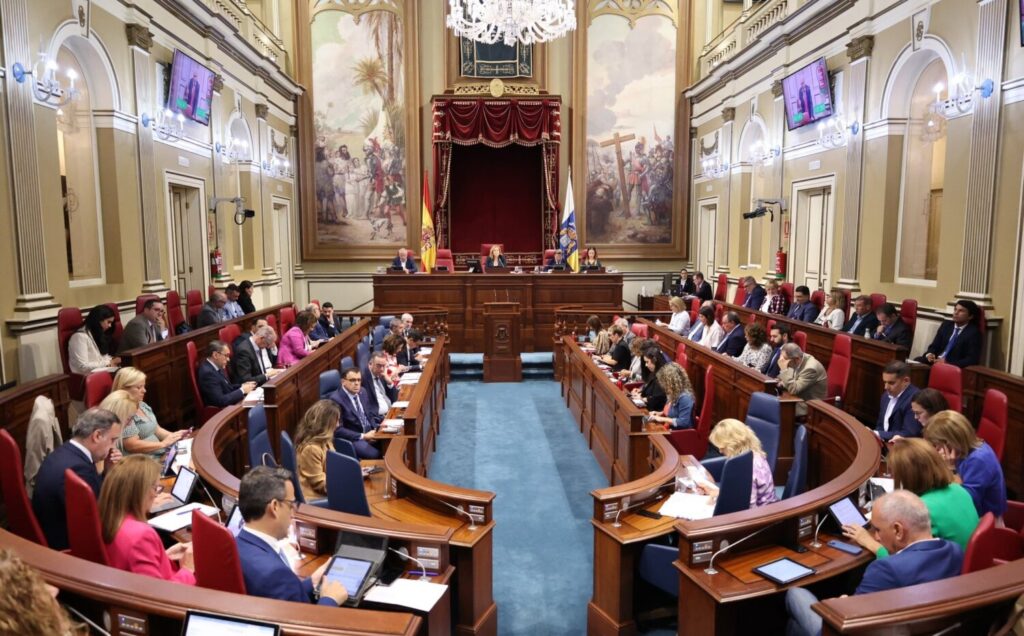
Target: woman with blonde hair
{"points": [[128, 493], [732, 438], [315, 436], [972, 460], [141, 433], [680, 321], [495, 258], [679, 396], [832, 316]]}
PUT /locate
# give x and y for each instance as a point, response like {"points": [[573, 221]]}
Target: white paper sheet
{"points": [[401, 404], [885, 482], [682, 505], [256, 395], [419, 595], [180, 517]]}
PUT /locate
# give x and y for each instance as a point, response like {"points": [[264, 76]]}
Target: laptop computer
{"points": [[181, 491], [205, 624]]}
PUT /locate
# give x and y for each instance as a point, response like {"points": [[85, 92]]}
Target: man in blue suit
{"points": [[734, 341], [755, 293], [863, 321], [379, 391], [895, 417], [958, 341], [214, 386], [404, 261], [891, 328], [802, 308], [903, 526], [266, 499], [779, 336], [92, 440], [357, 424]]}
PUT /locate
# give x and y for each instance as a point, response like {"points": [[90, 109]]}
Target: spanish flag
{"points": [[428, 244]]}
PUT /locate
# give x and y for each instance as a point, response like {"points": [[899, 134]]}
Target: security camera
{"points": [[758, 212]]}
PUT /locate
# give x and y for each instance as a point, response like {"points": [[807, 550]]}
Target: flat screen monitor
{"points": [[191, 89], [203, 624], [1020, 15], [807, 95]]}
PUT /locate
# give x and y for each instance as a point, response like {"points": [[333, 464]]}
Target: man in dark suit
{"points": [[92, 440], [618, 356], [779, 336], [330, 321], [379, 391], [557, 261], [802, 308], [146, 328], [755, 293], [266, 499], [210, 313], [904, 528], [409, 356], [863, 321], [686, 286], [702, 288], [248, 363], [357, 422], [404, 261], [890, 328], [734, 341], [214, 386], [958, 341], [895, 417]]}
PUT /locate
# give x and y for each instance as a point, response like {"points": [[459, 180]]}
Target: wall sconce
{"points": [[277, 167], [962, 93], [47, 87], [168, 126], [836, 131], [713, 168], [764, 156], [233, 151]]}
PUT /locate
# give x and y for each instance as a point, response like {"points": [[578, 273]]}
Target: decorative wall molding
{"points": [[860, 47], [139, 36], [633, 10]]}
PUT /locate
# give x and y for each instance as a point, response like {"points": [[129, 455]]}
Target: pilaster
{"points": [[859, 51], [725, 209]]}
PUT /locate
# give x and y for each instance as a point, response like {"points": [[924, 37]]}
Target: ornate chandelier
{"points": [[511, 21]]}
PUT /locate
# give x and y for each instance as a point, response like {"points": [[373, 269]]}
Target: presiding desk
{"points": [[464, 295]]}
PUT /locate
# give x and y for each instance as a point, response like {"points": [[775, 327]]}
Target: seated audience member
{"points": [[396, 327], [381, 390], [494, 258], [318, 333], [971, 459], [678, 395], [904, 528], [590, 262], [802, 307], [702, 287], [890, 328], [926, 403], [755, 293], [733, 341], [680, 321], [315, 436], [245, 292], [28, 605], [269, 355], [685, 287], [627, 333], [91, 347], [296, 343], [214, 386], [329, 321], [711, 334], [392, 345], [775, 302], [733, 438], [359, 420], [410, 356], [231, 308], [651, 393], [266, 499], [248, 363], [618, 357], [141, 432], [958, 341], [636, 371], [832, 316], [557, 261], [128, 492], [916, 466], [863, 321], [404, 261], [895, 417], [146, 328], [92, 441], [211, 314], [407, 323], [778, 337], [802, 375], [757, 351]]}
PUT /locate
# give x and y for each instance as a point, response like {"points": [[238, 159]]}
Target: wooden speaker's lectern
{"points": [[502, 343]]}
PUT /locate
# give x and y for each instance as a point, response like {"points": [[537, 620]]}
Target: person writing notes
{"points": [[733, 438], [679, 396], [618, 357], [680, 321], [92, 347]]}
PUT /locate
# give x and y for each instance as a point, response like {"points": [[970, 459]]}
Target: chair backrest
{"points": [[209, 291], [981, 320], [85, 534], [115, 337], [362, 355], [385, 321], [946, 379], [203, 412], [218, 566], [707, 407], [21, 520], [818, 298], [444, 259], [993, 422], [228, 333], [256, 426], [69, 320], [877, 300], [800, 338], [548, 254], [694, 308], [174, 315], [193, 305], [768, 325], [735, 485], [346, 448], [722, 288], [260, 452], [719, 312], [345, 490], [97, 387], [639, 329], [681, 353], [485, 249], [839, 368], [908, 314], [287, 319], [764, 416], [990, 545], [330, 381], [796, 481], [314, 301], [379, 332], [347, 363], [272, 323], [140, 301], [787, 292], [289, 461], [741, 294]]}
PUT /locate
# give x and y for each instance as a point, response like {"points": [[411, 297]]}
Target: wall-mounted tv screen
{"points": [[1021, 16], [191, 89], [807, 95]]}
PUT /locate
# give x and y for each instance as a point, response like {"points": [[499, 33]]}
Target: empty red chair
{"points": [[694, 441], [991, 546], [85, 534], [908, 314], [639, 329], [723, 288], [21, 520], [877, 300], [719, 312], [800, 338], [694, 308], [272, 323], [740, 295], [203, 412], [681, 352], [216, 556], [444, 259], [818, 298], [946, 379], [787, 292], [839, 368], [174, 315], [69, 320], [992, 425], [228, 333], [140, 301], [981, 321], [97, 387], [193, 305], [115, 337], [287, 319]]}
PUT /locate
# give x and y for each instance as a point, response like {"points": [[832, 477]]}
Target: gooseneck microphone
{"points": [[622, 509], [711, 564], [405, 556], [816, 543], [472, 521]]}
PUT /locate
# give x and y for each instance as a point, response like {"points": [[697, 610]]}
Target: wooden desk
{"points": [[464, 295]]}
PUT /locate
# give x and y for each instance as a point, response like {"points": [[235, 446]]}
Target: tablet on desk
{"points": [[352, 573], [203, 624], [784, 571], [844, 512]]}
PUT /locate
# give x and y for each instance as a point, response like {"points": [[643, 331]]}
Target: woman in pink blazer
{"points": [[128, 492], [295, 343]]}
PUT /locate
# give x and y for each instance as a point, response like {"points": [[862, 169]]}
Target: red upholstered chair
{"points": [[946, 379], [174, 315], [681, 353], [272, 323], [800, 338], [216, 556], [228, 333], [69, 320], [141, 300], [485, 250], [203, 412], [818, 298], [694, 308], [908, 314], [21, 520], [193, 305], [444, 259], [981, 321], [768, 325], [877, 300], [993, 422], [287, 319], [1014, 516], [719, 312], [115, 338], [740, 295], [548, 254], [991, 546], [639, 329], [315, 302], [694, 441], [723, 288], [839, 368], [787, 292], [85, 535], [97, 387], [209, 291]]}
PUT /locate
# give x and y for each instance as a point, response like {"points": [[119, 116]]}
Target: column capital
{"points": [[139, 36], [293, 131], [728, 114], [261, 111], [218, 83], [777, 88], [860, 47]]}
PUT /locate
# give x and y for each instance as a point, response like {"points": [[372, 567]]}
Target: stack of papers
{"points": [[392, 426], [400, 404], [410, 378], [419, 595], [254, 396], [426, 350], [180, 517], [887, 483], [682, 505]]}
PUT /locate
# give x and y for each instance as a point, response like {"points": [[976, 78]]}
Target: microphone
{"points": [[816, 543], [472, 522], [616, 523], [711, 564], [405, 556], [220, 518], [82, 617]]}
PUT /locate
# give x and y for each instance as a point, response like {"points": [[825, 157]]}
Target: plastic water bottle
{"points": [[643, 291]]}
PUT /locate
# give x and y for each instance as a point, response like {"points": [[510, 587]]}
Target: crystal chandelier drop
{"points": [[511, 21]]}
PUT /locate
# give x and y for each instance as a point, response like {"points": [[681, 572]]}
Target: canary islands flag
{"points": [[567, 240], [428, 243]]}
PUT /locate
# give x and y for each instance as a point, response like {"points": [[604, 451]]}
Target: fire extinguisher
{"points": [[780, 262], [216, 262]]}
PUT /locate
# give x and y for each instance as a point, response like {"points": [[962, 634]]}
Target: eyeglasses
{"points": [[291, 502], [356, 380], [226, 354]]}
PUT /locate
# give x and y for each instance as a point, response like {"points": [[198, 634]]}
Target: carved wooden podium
{"points": [[502, 343]]}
